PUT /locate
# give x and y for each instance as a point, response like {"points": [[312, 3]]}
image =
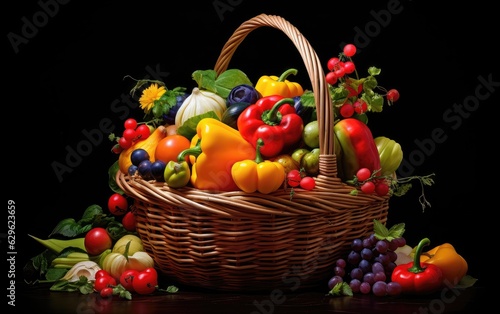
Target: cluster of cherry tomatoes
{"points": [[370, 184], [118, 206], [132, 133], [297, 178], [339, 69], [134, 281]]}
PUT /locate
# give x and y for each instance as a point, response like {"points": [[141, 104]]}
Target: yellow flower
{"points": [[149, 95]]}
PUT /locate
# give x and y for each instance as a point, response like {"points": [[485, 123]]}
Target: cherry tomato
{"points": [[106, 292], [145, 282], [307, 183], [101, 273], [117, 204], [97, 240], [368, 187], [363, 174], [143, 132], [129, 222], [104, 282], [381, 188], [127, 279], [293, 178]]}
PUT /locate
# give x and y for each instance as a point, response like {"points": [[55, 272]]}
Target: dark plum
{"points": [[138, 155], [158, 170]]}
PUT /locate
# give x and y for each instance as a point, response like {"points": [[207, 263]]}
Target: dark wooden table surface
{"points": [[190, 300]]}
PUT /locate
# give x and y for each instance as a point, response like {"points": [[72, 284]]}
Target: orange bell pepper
{"points": [[452, 264]]}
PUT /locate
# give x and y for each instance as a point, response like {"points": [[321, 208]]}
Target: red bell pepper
{"points": [[358, 146], [274, 120], [416, 277]]}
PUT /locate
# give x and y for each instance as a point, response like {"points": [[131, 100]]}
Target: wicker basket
{"points": [[237, 241]]}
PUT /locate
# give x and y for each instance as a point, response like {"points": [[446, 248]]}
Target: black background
{"points": [[68, 76]]}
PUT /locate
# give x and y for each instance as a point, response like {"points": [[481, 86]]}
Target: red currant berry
{"points": [[349, 67], [392, 95], [130, 123], [360, 106], [331, 78], [349, 50], [347, 110], [332, 63], [340, 72]]}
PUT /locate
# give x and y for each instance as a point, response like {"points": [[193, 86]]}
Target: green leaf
{"points": [[370, 83], [375, 102], [307, 99], [168, 100], [54, 274], [374, 71], [382, 233], [341, 289], [188, 129], [466, 282], [67, 227], [229, 79], [112, 171], [82, 285], [205, 79]]}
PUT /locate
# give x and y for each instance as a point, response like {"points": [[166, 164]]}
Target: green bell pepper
{"points": [[177, 174]]}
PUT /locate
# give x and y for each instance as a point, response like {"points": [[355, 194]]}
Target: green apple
{"points": [[310, 162], [310, 134], [298, 154]]}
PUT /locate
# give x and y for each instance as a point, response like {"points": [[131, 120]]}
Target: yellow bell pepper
{"points": [[273, 85], [261, 175], [218, 148], [452, 264]]}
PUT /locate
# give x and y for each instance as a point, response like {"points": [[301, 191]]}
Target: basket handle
{"points": [[324, 107]]}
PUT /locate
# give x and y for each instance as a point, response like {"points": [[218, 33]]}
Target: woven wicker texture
{"points": [[237, 241]]}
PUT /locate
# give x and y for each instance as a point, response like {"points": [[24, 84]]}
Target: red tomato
{"points": [[127, 279], [101, 273], [106, 292], [129, 221], [151, 270], [169, 147], [97, 240], [117, 204], [104, 282], [145, 282]]}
